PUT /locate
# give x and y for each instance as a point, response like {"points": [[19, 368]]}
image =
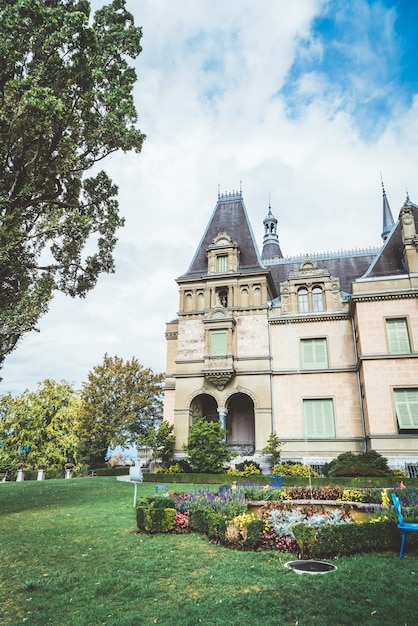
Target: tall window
{"points": [[398, 337], [314, 354], [303, 304], [317, 299], [222, 263], [318, 418], [218, 342], [406, 406]]}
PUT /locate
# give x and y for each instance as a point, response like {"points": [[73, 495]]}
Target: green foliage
{"points": [[255, 530], [170, 469], [273, 448], [161, 440], [66, 102], [294, 469], [245, 469], [159, 520], [369, 463], [119, 402], [206, 447], [39, 427], [199, 519], [216, 524]]}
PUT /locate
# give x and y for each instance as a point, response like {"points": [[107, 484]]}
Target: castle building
{"points": [[320, 349]]}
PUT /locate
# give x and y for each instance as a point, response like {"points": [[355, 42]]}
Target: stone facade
{"points": [[322, 350]]}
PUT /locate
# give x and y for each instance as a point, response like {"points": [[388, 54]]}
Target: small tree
{"points": [[369, 463], [206, 447], [273, 448], [161, 441]]}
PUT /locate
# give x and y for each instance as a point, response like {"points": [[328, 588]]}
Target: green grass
{"points": [[70, 556]]}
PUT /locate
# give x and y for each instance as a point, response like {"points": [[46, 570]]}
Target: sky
{"points": [[305, 104]]}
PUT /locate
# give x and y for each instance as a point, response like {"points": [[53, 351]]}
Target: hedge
{"points": [[219, 479], [345, 539]]}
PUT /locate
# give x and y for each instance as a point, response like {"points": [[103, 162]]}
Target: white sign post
{"points": [[135, 476]]}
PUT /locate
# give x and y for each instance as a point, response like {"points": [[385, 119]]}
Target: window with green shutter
{"points": [[222, 263], [398, 336], [406, 405], [218, 342], [314, 354], [318, 415]]}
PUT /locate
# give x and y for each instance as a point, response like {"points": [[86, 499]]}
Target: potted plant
{"points": [[21, 467], [69, 469], [41, 467]]}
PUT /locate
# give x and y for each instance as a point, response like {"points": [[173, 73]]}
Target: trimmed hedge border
{"points": [[288, 481]]}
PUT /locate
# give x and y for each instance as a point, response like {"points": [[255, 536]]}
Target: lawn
{"points": [[70, 556]]}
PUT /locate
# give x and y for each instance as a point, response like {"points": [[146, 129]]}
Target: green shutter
{"points": [[398, 337], [314, 354], [319, 418], [218, 342], [406, 404], [222, 263]]}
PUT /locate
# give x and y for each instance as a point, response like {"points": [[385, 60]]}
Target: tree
{"points": [[273, 448], [119, 402], [161, 441], [206, 447], [65, 104], [39, 427]]}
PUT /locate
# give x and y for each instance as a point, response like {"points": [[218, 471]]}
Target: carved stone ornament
{"points": [[219, 378], [217, 312]]}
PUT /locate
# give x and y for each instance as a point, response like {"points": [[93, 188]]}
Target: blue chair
{"points": [[403, 526]]}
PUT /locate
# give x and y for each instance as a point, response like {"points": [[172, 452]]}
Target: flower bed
{"points": [[303, 527]]}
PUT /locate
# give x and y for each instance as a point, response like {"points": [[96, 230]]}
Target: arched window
{"points": [[303, 304], [317, 299]]}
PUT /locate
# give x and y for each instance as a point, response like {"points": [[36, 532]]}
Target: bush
{"points": [[255, 530], [171, 469], [206, 447], [159, 520], [245, 469], [369, 463], [342, 540], [294, 469]]}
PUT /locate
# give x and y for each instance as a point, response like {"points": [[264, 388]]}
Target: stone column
{"points": [[222, 411]]}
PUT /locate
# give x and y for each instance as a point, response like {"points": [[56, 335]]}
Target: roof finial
{"points": [[269, 204], [383, 187], [408, 201], [240, 187], [219, 191]]}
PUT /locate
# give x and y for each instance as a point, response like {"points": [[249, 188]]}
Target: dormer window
{"points": [[222, 255]]}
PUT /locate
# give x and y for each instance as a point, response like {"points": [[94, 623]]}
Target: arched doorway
{"points": [[240, 424], [206, 406]]}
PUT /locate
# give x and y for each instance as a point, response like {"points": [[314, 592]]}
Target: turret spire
{"points": [[271, 247], [388, 221]]}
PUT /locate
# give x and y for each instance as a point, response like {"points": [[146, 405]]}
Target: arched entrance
{"points": [[240, 424], [206, 406]]}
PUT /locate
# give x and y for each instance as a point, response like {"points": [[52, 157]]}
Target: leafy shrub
{"points": [[163, 502], [206, 447], [158, 520], [273, 448], [216, 526], [245, 469], [140, 516], [171, 469], [369, 463], [255, 528], [345, 540], [294, 469]]}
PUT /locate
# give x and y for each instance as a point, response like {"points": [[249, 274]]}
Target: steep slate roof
{"points": [[390, 261], [231, 216], [346, 265]]}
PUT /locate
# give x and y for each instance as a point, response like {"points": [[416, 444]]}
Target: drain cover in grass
{"points": [[310, 567]]}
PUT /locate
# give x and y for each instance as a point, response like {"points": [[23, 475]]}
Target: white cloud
{"points": [[211, 101]]}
